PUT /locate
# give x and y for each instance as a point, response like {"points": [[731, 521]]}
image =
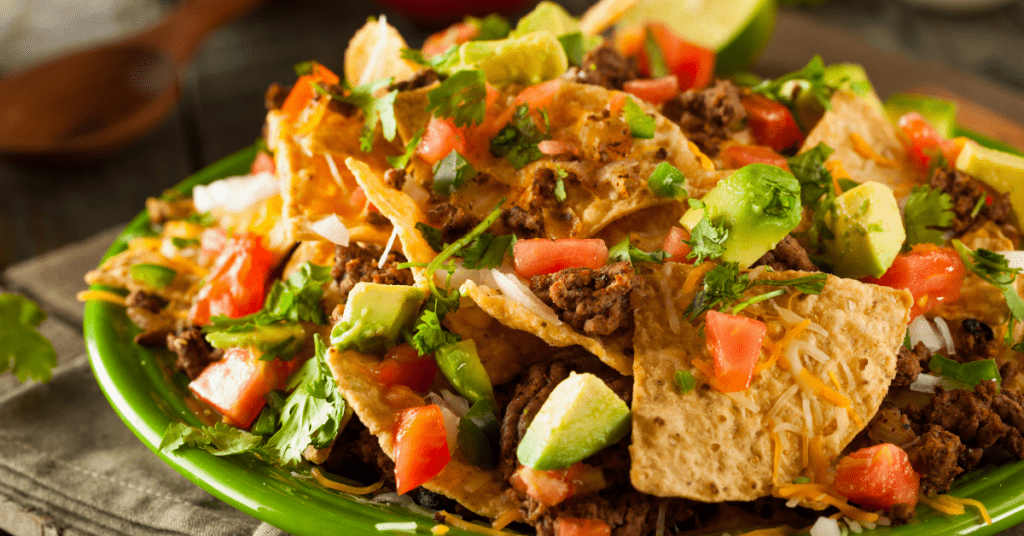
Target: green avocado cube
{"points": [[867, 231], [375, 316], [580, 417]]}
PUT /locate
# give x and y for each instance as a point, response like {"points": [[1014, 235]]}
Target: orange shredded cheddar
{"points": [[789, 337], [960, 502], [835, 381], [837, 171], [101, 295], [862, 148], [942, 506], [777, 455], [144, 242], [182, 264], [333, 484], [695, 275], [705, 162], [819, 463], [854, 417], [819, 388], [820, 493], [503, 520], [438, 530], [466, 525]]}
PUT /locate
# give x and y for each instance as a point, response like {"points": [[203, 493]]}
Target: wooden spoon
{"points": [[95, 101]]}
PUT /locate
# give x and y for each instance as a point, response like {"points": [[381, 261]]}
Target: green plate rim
{"points": [[147, 400]]}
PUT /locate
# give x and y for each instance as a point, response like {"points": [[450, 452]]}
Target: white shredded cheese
{"points": [[791, 318], [825, 526], [670, 309], [946, 335], [783, 399], [849, 373], [397, 526], [793, 357], [331, 228], [235, 194], [813, 351], [787, 427], [333, 166], [387, 250], [808, 420], [515, 290], [742, 401]]}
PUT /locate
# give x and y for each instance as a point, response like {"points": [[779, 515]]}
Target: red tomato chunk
{"points": [[403, 365], [235, 284], [932, 274], [675, 247], [575, 526], [421, 446], [235, 385], [737, 156], [539, 256], [735, 344], [771, 123], [878, 477]]}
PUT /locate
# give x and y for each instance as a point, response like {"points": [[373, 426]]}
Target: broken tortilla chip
{"points": [[483, 492], [375, 52], [709, 446]]}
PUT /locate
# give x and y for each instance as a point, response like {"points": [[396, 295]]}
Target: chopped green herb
{"points": [[707, 240], [432, 235], [640, 124], [927, 211], [685, 381], [375, 109], [489, 28], [724, 286], [23, 350], [801, 480], [220, 439], [559, 190], [487, 251], [182, 243], [304, 68], [203, 219], [813, 74], [667, 181], [402, 160], [809, 169], [995, 269], [462, 96], [971, 373], [810, 284], [517, 141], [977, 206], [451, 172], [575, 47], [625, 251], [428, 335]]}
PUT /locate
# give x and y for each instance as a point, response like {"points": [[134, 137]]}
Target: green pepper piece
{"points": [[461, 365], [153, 275], [667, 181], [971, 373], [480, 435]]}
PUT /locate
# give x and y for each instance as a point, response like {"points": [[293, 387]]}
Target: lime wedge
{"points": [[528, 59], [736, 29], [1002, 171]]}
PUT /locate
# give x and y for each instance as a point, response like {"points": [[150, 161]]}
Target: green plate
{"points": [[147, 399]]}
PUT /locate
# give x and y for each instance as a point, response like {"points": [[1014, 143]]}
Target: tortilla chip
{"points": [[375, 52], [483, 492], [852, 115], [315, 183], [979, 299], [702, 445], [611, 350], [603, 14]]}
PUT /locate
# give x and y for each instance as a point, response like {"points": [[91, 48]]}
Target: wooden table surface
{"points": [[222, 103]]}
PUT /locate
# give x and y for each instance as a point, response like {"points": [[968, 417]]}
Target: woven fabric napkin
{"points": [[68, 465]]}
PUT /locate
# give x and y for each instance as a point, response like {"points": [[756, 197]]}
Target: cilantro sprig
{"points": [[375, 109], [707, 239], [517, 141], [927, 212], [626, 251], [812, 79], [402, 160], [724, 287], [23, 350], [994, 269], [462, 96]]}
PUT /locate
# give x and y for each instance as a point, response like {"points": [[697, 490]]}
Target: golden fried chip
{"points": [[709, 446], [375, 52], [483, 492]]}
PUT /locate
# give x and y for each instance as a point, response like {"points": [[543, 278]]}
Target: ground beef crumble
{"points": [[355, 263], [522, 223], [910, 363], [707, 116], [193, 350], [605, 67], [453, 220], [965, 192], [595, 302], [788, 254]]}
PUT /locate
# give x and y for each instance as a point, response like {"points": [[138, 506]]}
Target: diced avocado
{"points": [[1003, 171], [528, 59], [941, 114], [461, 365], [375, 316], [285, 338], [546, 17], [480, 435], [758, 204], [867, 231], [153, 275], [843, 76], [580, 417]]}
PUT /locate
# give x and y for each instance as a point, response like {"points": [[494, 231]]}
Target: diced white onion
{"points": [[1014, 258], [921, 331], [235, 194], [397, 526], [825, 526], [515, 290], [416, 192], [458, 405], [461, 275], [333, 166], [925, 383], [451, 427], [387, 250], [946, 335], [332, 229]]}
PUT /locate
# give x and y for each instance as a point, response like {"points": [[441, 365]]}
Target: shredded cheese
{"points": [[438, 530], [971, 502], [789, 393], [504, 519], [181, 264], [673, 316], [691, 280], [776, 452], [741, 400], [333, 166], [144, 242], [101, 295], [333, 484], [819, 493], [809, 421], [862, 148], [819, 388], [942, 506], [819, 462], [778, 347], [835, 381], [705, 162], [465, 525], [387, 250], [854, 417]]}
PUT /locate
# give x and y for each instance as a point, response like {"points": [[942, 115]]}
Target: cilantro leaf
{"points": [[220, 439], [685, 381], [402, 160], [625, 251], [811, 284], [428, 335], [812, 77], [22, 349], [486, 251], [809, 169], [182, 243], [375, 109], [462, 96], [995, 269], [926, 210], [432, 235], [517, 141], [640, 124], [489, 28], [312, 414], [202, 219], [707, 240], [451, 172], [723, 285], [298, 298]]}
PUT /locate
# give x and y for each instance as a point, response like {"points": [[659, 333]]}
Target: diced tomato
{"points": [[675, 246], [616, 103], [932, 274], [657, 91], [539, 256], [302, 92], [576, 526], [456, 34], [403, 365], [734, 343], [263, 163], [358, 199], [878, 477], [694, 65], [553, 487], [538, 96], [235, 285], [439, 139], [421, 446], [556, 147], [236, 384], [771, 123], [923, 141], [737, 156]]}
